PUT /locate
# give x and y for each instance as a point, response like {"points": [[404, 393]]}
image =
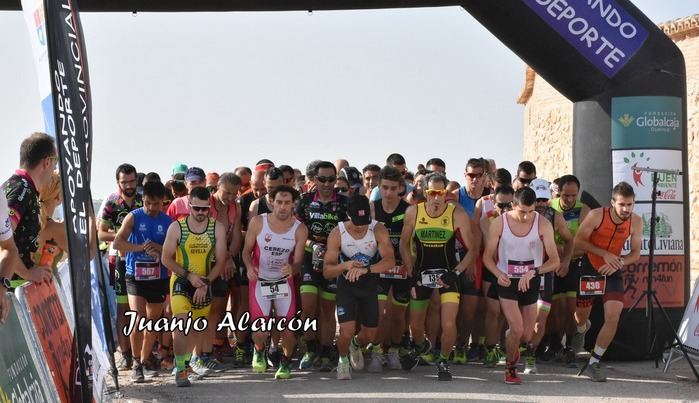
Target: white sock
{"points": [[597, 354]]}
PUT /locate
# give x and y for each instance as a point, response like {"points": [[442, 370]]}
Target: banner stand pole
{"points": [[649, 293]]}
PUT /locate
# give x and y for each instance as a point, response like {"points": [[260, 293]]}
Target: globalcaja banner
{"points": [[668, 281], [52, 332], [626, 162], [21, 378], [72, 108], [600, 30], [647, 122]]}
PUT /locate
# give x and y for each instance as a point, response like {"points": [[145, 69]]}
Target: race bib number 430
{"points": [[592, 285], [276, 289]]}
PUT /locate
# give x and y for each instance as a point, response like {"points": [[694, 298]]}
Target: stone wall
{"points": [[548, 123]]}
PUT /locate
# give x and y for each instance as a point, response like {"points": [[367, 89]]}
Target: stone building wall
{"points": [[548, 123]]}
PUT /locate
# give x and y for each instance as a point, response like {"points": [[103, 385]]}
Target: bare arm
{"points": [[121, 242], [385, 247], [406, 238], [254, 228], [103, 234], [221, 252], [561, 228], [465, 228], [331, 266], [491, 245]]}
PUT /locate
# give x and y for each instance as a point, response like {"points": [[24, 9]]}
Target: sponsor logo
{"points": [[160, 228], [268, 237], [633, 161], [340, 311], [626, 120], [663, 228], [654, 121], [39, 23]]}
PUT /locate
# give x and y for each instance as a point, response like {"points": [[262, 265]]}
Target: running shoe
{"points": [[511, 377], [356, 356], [443, 373], [375, 364], [343, 369], [259, 363], [284, 371], [459, 355], [182, 378], [393, 358]]}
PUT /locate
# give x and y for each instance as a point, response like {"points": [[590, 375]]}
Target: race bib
{"points": [[429, 277], [147, 271], [517, 268], [396, 272], [592, 285], [274, 289]]}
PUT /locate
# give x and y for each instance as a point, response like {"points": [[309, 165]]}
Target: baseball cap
{"points": [[354, 178], [179, 168], [195, 174], [358, 210], [541, 188]]}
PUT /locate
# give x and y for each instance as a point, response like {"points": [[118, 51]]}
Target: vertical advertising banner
{"points": [[647, 133], [73, 130], [20, 368], [52, 332]]}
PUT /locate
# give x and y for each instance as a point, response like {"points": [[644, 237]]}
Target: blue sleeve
{"points": [[375, 194]]}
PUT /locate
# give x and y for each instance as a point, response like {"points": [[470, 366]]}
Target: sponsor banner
{"points": [[669, 229], [21, 378], [668, 280], [625, 162], [66, 291], [35, 18], [600, 30], [72, 109], [52, 331], [100, 358], [689, 327], [647, 122]]}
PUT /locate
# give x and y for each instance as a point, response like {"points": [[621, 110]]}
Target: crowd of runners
{"points": [[414, 268]]}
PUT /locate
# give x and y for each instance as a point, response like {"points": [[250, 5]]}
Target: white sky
{"points": [[219, 90]]}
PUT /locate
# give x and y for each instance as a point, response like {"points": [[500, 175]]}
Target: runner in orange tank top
{"points": [[601, 236]]}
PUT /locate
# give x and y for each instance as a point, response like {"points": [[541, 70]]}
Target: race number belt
{"points": [[517, 268], [396, 272], [429, 277], [592, 285], [147, 271], [274, 289]]}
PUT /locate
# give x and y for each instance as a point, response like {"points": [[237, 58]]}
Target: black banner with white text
{"points": [[73, 128]]}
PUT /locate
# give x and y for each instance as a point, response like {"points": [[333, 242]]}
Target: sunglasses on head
{"points": [[199, 208], [326, 179], [504, 206], [435, 192]]}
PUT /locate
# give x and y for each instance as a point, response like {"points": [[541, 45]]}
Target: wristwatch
{"points": [[536, 271], [5, 282]]}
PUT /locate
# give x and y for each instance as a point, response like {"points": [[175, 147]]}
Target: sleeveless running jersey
{"points": [[363, 250], [273, 250], [196, 251], [466, 201], [435, 239], [146, 228], [572, 217], [321, 218], [393, 223], [608, 236], [231, 215], [487, 206], [262, 206], [519, 254]]}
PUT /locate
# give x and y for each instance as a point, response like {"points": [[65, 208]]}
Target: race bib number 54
{"points": [[272, 290]]}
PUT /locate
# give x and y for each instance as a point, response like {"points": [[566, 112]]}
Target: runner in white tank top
{"points": [[517, 239], [273, 253]]}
